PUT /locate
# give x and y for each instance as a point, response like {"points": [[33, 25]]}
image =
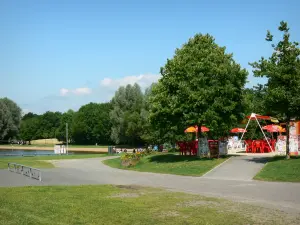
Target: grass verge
{"points": [[40, 161], [108, 204], [170, 164], [281, 169]]}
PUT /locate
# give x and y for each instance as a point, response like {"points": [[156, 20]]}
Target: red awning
{"points": [[259, 117]]}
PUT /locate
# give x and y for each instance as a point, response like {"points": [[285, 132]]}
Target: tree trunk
{"points": [[288, 139], [198, 137]]}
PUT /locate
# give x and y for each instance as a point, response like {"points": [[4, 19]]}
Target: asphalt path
{"points": [[230, 184]]}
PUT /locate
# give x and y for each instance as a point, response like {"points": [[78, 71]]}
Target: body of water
{"points": [[10, 152]]}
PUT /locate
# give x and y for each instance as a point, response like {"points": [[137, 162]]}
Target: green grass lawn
{"points": [[170, 164], [39, 161], [281, 169], [112, 205]]}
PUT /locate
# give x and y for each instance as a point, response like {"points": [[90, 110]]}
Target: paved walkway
{"points": [[283, 196], [238, 168]]}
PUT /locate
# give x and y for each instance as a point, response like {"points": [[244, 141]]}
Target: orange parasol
{"points": [[273, 128], [195, 129]]}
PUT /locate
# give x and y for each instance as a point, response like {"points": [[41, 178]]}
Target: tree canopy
{"points": [[126, 115], [10, 116], [282, 69], [200, 85]]}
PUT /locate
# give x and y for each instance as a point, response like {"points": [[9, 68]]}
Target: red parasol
{"points": [[238, 130]]}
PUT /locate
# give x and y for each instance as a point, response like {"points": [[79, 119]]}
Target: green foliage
{"points": [[29, 128], [66, 118], [10, 116], [126, 115], [282, 69], [200, 85], [91, 124]]}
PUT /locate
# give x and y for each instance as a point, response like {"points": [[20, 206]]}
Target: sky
{"points": [[58, 55]]}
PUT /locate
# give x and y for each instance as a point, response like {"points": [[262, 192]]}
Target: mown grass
{"points": [[281, 169], [112, 205], [40, 161], [170, 164]]}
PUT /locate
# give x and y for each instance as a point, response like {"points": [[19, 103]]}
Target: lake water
{"points": [[9, 152]]}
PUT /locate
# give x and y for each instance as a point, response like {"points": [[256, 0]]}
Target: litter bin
{"points": [[110, 150]]}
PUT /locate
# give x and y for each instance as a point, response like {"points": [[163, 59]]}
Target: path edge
{"points": [[216, 167]]}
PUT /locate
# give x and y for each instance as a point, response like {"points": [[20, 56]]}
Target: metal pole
{"points": [[67, 137], [264, 134]]}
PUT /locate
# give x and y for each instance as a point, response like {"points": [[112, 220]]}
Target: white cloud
{"points": [[64, 91], [77, 91], [144, 80], [82, 91]]}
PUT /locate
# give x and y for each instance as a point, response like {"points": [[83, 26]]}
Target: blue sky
{"points": [[56, 55]]}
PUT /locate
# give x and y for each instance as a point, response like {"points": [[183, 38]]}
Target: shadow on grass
{"points": [[271, 159], [169, 158], [260, 160]]}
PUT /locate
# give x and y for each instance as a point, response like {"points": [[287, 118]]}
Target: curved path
{"points": [[283, 196]]}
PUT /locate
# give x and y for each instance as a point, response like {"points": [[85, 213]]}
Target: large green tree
{"points": [[10, 117], [150, 134], [48, 124], [91, 124], [282, 69], [126, 115], [66, 118], [200, 85], [29, 128]]}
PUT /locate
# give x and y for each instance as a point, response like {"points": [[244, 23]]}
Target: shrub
{"points": [[131, 159]]}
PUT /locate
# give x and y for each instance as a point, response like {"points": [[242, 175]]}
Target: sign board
{"points": [[294, 143], [203, 144], [59, 149], [293, 139], [223, 147]]}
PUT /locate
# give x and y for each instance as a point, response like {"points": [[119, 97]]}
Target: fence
{"points": [[25, 170]]}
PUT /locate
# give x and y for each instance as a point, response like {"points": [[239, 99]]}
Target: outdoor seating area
{"points": [[260, 146], [190, 147], [272, 141]]}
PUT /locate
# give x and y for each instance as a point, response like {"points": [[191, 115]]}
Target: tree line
{"points": [[200, 85]]}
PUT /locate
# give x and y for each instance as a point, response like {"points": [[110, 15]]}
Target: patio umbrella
{"points": [[238, 130], [195, 129], [272, 128]]}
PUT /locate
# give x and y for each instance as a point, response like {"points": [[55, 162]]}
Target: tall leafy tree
{"points": [[48, 124], [282, 70], [91, 124], [66, 118], [29, 128], [5, 120], [200, 85], [10, 117], [150, 134], [125, 115]]}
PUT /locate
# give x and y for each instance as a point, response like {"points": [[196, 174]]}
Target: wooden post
{"points": [[288, 139]]}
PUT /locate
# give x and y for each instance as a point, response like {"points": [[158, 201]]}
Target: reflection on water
{"points": [[18, 152]]}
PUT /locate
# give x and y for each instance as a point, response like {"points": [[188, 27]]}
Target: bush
{"points": [[131, 159]]}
